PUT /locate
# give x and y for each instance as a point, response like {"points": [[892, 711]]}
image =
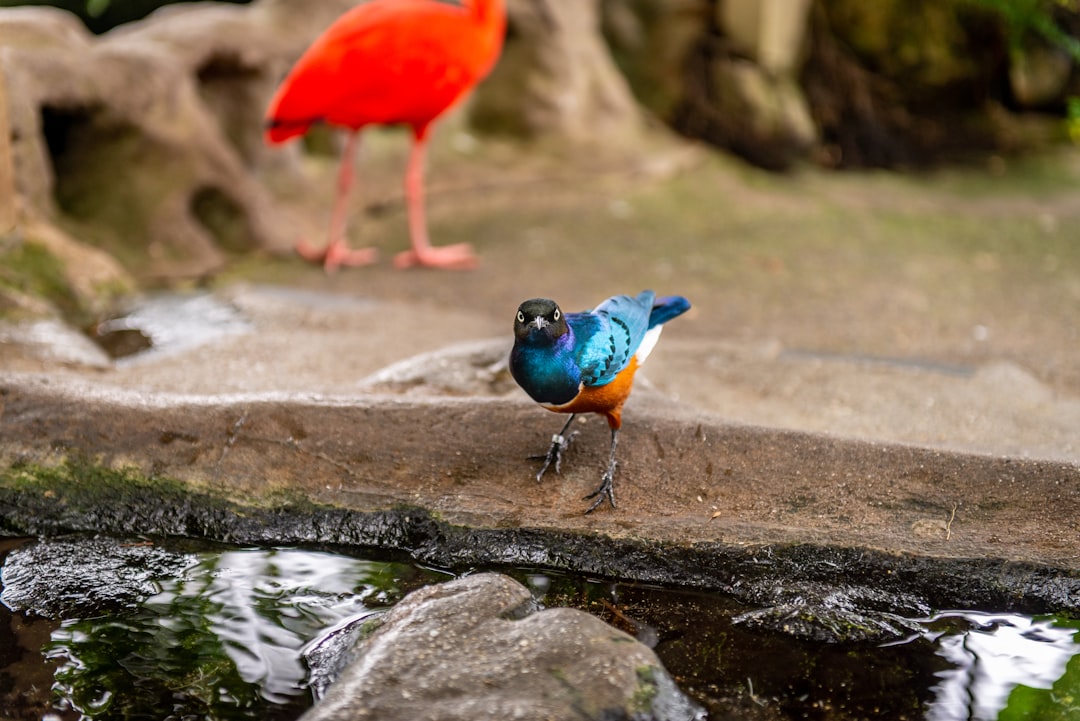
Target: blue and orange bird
{"points": [[585, 363]]}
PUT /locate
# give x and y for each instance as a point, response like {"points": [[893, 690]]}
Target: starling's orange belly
{"points": [[606, 400]]}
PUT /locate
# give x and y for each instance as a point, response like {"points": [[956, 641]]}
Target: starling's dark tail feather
{"points": [[666, 308]]}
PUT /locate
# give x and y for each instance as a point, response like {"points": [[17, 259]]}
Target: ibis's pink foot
{"points": [[451, 257], [336, 254]]}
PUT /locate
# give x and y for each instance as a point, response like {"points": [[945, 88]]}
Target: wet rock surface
{"points": [[83, 577], [835, 614], [476, 648]]}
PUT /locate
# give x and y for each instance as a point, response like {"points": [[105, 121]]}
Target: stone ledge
{"points": [[446, 480]]}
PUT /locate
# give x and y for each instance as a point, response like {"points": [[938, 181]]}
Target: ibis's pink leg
{"points": [[337, 251], [457, 257]]}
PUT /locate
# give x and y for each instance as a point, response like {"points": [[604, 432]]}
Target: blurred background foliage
{"points": [[1039, 17]]}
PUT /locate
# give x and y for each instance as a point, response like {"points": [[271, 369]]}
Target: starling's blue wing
{"points": [[606, 337]]}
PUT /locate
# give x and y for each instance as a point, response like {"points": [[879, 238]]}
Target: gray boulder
{"points": [[476, 648]]}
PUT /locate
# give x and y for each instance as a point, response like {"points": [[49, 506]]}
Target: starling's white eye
{"points": [[521, 317], [558, 314]]}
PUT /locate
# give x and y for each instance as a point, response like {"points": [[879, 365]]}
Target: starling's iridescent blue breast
{"points": [[547, 372]]}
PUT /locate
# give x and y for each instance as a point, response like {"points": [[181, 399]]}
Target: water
{"points": [[1005, 666], [222, 639], [224, 636], [169, 323]]}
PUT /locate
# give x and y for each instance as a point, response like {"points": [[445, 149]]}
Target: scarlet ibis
{"points": [[389, 62]]}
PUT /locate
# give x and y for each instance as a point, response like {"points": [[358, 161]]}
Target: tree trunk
{"points": [[556, 77]]}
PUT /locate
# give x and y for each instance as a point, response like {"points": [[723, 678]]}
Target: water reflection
{"points": [[999, 661], [223, 640]]}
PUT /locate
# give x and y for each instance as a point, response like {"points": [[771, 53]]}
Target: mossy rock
{"points": [[44, 272]]}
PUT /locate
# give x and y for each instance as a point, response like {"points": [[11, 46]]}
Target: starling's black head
{"points": [[539, 318]]}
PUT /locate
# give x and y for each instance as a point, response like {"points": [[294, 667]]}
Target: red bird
{"points": [[389, 62]]}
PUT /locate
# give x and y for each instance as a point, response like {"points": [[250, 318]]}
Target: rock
{"points": [[49, 284], [772, 32], [1007, 377], [49, 340], [925, 44], [94, 278], [83, 123], [754, 107], [447, 480], [769, 108], [171, 323], [935, 528], [476, 648], [908, 84], [237, 55], [83, 577], [1038, 75], [96, 121], [836, 614], [475, 368]]}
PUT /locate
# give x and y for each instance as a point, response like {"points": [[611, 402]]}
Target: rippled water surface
{"points": [[229, 636]]}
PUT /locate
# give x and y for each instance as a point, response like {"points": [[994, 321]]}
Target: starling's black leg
{"points": [[606, 487], [559, 442]]}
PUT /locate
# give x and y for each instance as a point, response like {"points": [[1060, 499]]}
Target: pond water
{"points": [[226, 634]]}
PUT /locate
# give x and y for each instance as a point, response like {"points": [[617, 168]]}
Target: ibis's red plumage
{"points": [[391, 62]]}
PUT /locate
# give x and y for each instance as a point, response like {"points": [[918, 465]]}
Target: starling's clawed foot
{"points": [[607, 487], [605, 490], [559, 443]]}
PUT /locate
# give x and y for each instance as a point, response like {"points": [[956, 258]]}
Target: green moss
{"points": [[29, 268], [81, 481], [369, 626], [647, 689]]}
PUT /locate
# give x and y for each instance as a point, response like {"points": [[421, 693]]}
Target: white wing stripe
{"points": [[647, 344]]}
